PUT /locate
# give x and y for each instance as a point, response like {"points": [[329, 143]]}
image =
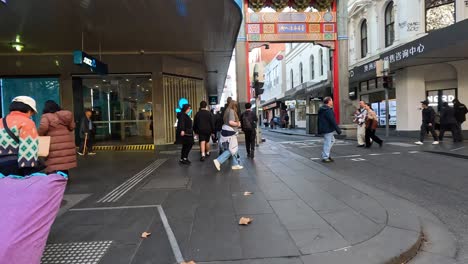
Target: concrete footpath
{"points": [[302, 213]]}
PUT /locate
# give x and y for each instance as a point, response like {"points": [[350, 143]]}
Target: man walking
{"points": [[360, 120], [428, 122], [326, 127], [249, 124], [87, 130], [460, 115], [447, 122], [204, 128]]}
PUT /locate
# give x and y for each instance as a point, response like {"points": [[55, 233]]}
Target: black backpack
{"points": [[9, 163], [247, 124]]}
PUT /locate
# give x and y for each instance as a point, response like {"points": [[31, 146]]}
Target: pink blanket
{"points": [[28, 207]]}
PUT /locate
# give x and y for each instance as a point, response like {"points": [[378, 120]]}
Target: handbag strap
{"points": [[9, 132]]}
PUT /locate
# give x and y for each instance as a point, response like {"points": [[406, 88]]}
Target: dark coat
{"points": [[204, 123], [84, 128], [428, 115], [219, 122], [184, 123], [460, 112], [326, 121], [62, 153], [447, 116]]}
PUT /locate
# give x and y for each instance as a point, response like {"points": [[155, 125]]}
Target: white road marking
{"points": [[125, 187], [396, 153], [457, 149], [413, 152], [172, 239], [358, 159], [170, 234], [400, 144], [376, 154]]}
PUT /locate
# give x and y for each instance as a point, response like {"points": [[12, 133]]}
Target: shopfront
{"points": [[121, 104], [373, 93]]}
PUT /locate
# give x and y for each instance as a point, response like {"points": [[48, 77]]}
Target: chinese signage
{"points": [[94, 65], [291, 26], [404, 53]]}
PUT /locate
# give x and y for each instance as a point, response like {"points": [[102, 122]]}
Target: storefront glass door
{"points": [[122, 108]]}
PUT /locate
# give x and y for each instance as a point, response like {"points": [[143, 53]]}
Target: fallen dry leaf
{"points": [[190, 262], [145, 235], [245, 221], [248, 193]]}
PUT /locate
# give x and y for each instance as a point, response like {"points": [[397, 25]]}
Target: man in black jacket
{"points": [[87, 131], [428, 123], [204, 128], [447, 121], [327, 126], [460, 115], [249, 124]]}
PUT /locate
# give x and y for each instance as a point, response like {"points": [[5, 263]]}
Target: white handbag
{"points": [[44, 146]]}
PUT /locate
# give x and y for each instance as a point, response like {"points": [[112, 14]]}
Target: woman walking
{"points": [[228, 138], [19, 149], [371, 126], [204, 128], [59, 125], [184, 133]]}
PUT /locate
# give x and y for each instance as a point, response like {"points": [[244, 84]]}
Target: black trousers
{"points": [[450, 127], [186, 148], [370, 133], [89, 144], [425, 128], [250, 136], [458, 137]]}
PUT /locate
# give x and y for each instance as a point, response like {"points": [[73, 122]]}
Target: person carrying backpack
{"points": [[249, 123], [460, 115]]}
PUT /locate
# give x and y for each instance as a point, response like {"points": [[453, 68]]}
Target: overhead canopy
{"points": [[203, 31], [444, 45]]}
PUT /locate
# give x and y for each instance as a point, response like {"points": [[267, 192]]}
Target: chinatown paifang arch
{"points": [[318, 26]]}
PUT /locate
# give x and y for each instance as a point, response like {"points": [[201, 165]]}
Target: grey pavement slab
{"points": [[265, 237], [215, 237], [251, 205], [295, 214], [277, 191], [146, 197], [316, 240], [354, 227], [119, 254], [429, 258], [293, 260]]}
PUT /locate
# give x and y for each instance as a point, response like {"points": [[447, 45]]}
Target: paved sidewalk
{"points": [[303, 213]]}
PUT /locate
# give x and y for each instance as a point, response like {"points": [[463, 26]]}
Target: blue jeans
{"points": [[328, 141], [226, 155]]}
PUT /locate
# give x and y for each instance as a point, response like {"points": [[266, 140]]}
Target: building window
{"points": [[302, 72], [321, 62], [389, 24], [292, 79], [364, 48], [439, 14], [312, 67]]}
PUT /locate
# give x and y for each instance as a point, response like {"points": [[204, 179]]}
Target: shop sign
{"points": [[270, 106], [213, 99], [301, 102], [290, 103], [434, 99], [93, 64], [405, 53]]}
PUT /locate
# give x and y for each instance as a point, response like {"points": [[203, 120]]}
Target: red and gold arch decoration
{"points": [[298, 5]]}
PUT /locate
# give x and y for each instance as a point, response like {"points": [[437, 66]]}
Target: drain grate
{"points": [[71, 253]]}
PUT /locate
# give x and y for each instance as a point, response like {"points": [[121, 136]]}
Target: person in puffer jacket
{"points": [[59, 125]]}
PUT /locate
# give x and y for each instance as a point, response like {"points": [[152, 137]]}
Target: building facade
{"points": [[425, 45]]}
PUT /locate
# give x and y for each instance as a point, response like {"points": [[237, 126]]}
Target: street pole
{"points": [[259, 133], [345, 106], [387, 111]]}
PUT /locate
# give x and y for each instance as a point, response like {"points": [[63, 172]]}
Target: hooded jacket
{"points": [[184, 123], [204, 123], [447, 116], [428, 115], [460, 112], [62, 153], [326, 121]]}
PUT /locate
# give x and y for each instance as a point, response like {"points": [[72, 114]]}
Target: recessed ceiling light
{"points": [[150, 80], [127, 80]]}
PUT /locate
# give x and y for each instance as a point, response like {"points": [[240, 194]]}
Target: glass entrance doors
{"points": [[122, 108]]}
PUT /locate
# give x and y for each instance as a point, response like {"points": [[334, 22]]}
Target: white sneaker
{"points": [[418, 143], [237, 167], [217, 164], [79, 153], [435, 143]]}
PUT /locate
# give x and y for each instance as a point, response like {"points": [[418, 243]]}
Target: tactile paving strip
{"points": [[71, 253]]}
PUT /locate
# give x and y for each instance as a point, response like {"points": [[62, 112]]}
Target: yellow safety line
{"points": [[124, 147]]}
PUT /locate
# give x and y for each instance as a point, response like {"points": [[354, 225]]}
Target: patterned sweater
{"points": [[25, 129]]}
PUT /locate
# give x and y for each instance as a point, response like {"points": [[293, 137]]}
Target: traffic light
{"points": [[258, 87], [387, 82]]}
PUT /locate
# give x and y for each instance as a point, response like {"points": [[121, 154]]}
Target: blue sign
{"points": [[291, 28], [94, 65], [182, 102], [213, 100], [240, 4]]}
